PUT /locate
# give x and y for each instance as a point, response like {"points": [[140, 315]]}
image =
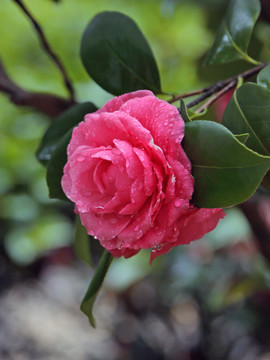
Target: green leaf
{"points": [[195, 116], [117, 56], [189, 115], [234, 34], [248, 111], [82, 243], [263, 78], [63, 123], [55, 168], [95, 285], [225, 171], [184, 111], [242, 137]]}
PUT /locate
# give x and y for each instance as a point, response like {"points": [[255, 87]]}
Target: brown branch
{"points": [[48, 104], [188, 94], [47, 48], [256, 210], [222, 84], [216, 96], [217, 87], [265, 12]]}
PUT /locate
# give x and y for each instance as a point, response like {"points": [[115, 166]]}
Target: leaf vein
{"points": [[249, 125], [151, 86], [226, 167]]}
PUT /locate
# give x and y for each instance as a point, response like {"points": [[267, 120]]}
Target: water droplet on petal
{"points": [[120, 245], [99, 207], [156, 248], [177, 202], [80, 158]]}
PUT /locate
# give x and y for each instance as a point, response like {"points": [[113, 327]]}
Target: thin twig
{"points": [[216, 96], [217, 87], [210, 91], [221, 84], [255, 212], [46, 103], [188, 94], [47, 48]]}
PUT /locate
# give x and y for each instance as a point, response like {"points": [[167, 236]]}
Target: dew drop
{"points": [[80, 158], [120, 245], [99, 207], [185, 223], [156, 248], [177, 203]]}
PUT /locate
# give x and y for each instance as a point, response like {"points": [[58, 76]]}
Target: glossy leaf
{"points": [[95, 285], [55, 168], [82, 243], [234, 34], [263, 78], [59, 128], [242, 137], [189, 115], [248, 111], [225, 171], [117, 56], [184, 111]]}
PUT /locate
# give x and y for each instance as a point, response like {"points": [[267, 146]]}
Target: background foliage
{"points": [[208, 300]]}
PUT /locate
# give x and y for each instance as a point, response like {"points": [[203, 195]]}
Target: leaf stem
{"points": [[47, 48], [250, 60], [95, 285]]}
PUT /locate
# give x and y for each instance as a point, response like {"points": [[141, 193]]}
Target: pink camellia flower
{"points": [[130, 179]]}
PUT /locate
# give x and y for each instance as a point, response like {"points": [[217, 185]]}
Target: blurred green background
{"points": [[178, 36], [208, 300]]}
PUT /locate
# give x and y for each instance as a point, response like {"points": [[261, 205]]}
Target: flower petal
{"points": [[115, 103], [161, 119]]}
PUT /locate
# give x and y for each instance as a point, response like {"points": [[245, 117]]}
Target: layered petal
{"points": [[131, 180], [192, 226], [115, 103], [161, 119]]}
